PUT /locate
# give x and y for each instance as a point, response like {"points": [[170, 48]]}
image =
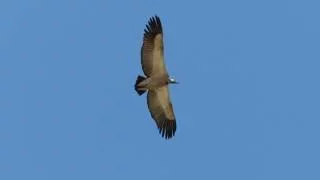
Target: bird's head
{"points": [[173, 81]]}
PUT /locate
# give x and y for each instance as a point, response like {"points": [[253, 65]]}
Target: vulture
{"points": [[156, 79]]}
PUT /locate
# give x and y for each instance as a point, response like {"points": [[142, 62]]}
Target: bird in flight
{"points": [[156, 79]]}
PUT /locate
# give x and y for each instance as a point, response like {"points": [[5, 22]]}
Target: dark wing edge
{"points": [[153, 27], [167, 127], [163, 116]]}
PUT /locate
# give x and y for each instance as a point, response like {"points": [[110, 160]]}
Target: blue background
{"points": [[247, 105]]}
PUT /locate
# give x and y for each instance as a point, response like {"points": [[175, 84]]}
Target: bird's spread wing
{"points": [[161, 111], [152, 48]]}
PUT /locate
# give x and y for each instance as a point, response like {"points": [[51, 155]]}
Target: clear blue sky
{"points": [[247, 106]]}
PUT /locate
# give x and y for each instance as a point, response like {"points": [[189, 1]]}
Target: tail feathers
{"points": [[136, 87]]}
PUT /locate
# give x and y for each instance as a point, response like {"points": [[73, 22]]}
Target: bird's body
{"points": [[154, 82], [157, 79]]}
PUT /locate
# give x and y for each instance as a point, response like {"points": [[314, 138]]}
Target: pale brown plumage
{"points": [[161, 111], [152, 60], [153, 66]]}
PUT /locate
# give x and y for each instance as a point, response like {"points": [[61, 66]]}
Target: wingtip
{"points": [[153, 26], [155, 17], [168, 129]]}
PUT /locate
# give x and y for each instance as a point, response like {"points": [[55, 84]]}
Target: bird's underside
{"points": [[157, 80]]}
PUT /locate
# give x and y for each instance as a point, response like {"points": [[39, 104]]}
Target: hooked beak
{"points": [[173, 81]]}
